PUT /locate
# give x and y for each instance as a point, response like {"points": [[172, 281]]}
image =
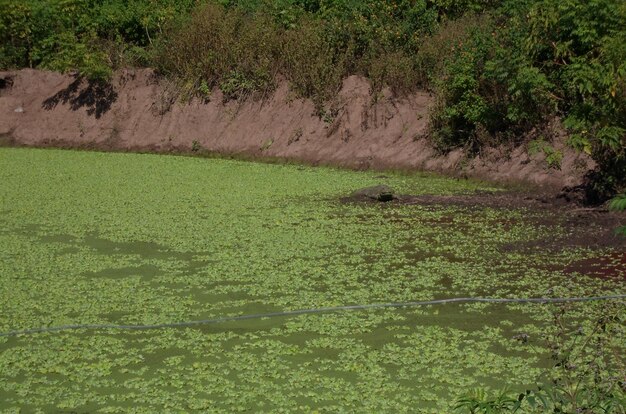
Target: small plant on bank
{"points": [[267, 144], [196, 146], [553, 157], [204, 91], [619, 204]]}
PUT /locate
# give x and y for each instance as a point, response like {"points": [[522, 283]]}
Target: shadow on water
{"points": [[103, 246], [144, 271], [192, 262], [146, 250]]}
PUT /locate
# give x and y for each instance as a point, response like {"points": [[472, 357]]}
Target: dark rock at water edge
{"points": [[381, 193]]}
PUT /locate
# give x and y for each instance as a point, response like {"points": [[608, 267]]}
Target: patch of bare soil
{"points": [[138, 111]]}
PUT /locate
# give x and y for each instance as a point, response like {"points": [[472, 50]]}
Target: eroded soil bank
{"points": [[139, 112]]}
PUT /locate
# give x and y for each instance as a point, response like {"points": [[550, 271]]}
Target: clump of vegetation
{"points": [[531, 61], [553, 157], [619, 204], [93, 37], [501, 69], [218, 47], [587, 375]]}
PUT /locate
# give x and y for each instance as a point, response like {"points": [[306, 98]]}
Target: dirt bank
{"points": [[136, 112]]}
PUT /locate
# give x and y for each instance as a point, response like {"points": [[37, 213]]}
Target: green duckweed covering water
{"points": [[141, 239]]}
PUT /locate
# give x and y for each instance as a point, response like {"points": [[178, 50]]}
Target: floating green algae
{"points": [[140, 239]]}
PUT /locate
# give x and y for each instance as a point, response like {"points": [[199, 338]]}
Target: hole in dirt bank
{"points": [[96, 96], [7, 140], [6, 82]]}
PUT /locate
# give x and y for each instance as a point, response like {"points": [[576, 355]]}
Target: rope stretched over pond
{"points": [[305, 311]]}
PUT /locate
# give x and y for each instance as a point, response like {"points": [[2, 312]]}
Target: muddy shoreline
{"points": [[138, 112]]}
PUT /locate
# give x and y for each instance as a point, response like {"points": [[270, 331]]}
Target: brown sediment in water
{"points": [[574, 227], [610, 266]]}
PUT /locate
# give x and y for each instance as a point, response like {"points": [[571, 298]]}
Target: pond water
{"points": [[96, 238]]}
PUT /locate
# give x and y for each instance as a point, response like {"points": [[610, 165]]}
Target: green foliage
{"points": [[501, 69], [204, 90], [582, 47], [313, 64], [588, 371], [90, 36], [619, 204], [222, 47], [195, 146], [553, 157], [587, 375], [466, 107], [535, 60], [434, 50], [478, 402], [487, 85]]}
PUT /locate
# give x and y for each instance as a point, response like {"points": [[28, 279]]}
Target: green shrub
{"points": [[528, 62], [582, 48], [313, 64], [16, 29], [395, 69], [90, 36], [221, 47], [478, 401], [619, 204], [435, 49], [470, 102]]}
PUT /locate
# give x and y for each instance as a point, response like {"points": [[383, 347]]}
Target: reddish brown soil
{"points": [[137, 113]]}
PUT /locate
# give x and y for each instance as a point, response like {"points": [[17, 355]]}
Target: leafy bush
{"points": [[582, 46], [488, 88], [535, 60], [435, 49], [91, 36], [313, 64], [223, 48]]}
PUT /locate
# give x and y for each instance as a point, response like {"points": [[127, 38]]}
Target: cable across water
{"points": [[304, 312]]}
